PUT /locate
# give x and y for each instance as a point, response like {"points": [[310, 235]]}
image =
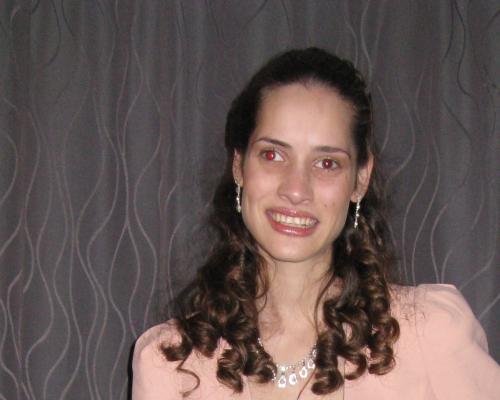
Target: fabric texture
{"points": [[442, 354]]}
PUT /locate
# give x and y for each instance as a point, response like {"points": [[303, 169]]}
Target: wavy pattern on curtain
{"points": [[111, 120]]}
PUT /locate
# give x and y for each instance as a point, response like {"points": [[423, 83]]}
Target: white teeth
{"points": [[293, 221]]}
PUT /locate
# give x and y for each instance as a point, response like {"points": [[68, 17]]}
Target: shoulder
{"points": [[442, 338], [147, 351], [156, 336], [438, 314], [153, 376], [443, 300], [444, 317]]}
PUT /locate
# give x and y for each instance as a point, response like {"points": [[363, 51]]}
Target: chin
{"points": [[294, 255]]}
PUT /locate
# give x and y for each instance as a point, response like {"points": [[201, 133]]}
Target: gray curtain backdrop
{"points": [[111, 137]]}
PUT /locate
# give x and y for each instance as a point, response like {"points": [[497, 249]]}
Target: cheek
{"points": [[259, 181], [254, 191], [335, 199]]}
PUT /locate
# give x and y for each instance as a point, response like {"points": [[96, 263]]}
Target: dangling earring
{"points": [[356, 214], [238, 197]]}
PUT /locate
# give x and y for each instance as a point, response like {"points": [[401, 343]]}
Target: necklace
{"points": [[288, 372]]}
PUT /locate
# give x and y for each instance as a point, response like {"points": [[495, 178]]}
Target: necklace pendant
{"points": [[287, 373]]}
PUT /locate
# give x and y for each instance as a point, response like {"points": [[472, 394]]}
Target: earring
{"points": [[238, 197], [356, 214]]}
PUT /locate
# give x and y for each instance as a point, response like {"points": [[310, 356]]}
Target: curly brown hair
{"points": [[221, 301]]}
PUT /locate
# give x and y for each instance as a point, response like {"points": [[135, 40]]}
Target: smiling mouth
{"points": [[294, 222]]}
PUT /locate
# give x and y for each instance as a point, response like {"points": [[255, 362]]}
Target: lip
{"points": [[291, 230]]}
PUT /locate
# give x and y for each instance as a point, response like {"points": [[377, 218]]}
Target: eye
{"points": [[271, 155], [326, 163]]}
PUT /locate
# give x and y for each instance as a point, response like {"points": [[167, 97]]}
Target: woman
{"points": [[295, 301]]}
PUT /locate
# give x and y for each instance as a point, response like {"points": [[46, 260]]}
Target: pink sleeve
{"points": [[454, 346], [153, 377]]}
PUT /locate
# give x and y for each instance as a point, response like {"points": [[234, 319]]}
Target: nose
{"points": [[296, 186]]}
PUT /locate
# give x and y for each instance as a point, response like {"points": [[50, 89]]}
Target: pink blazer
{"points": [[442, 354]]}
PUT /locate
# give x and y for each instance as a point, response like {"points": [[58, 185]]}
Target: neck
{"points": [[291, 299]]}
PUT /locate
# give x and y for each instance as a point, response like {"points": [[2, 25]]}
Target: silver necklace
{"points": [[288, 374]]}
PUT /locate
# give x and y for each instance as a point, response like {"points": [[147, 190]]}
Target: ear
{"points": [[238, 167], [363, 180]]}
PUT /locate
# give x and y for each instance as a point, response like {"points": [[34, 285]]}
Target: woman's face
{"points": [[299, 173]]}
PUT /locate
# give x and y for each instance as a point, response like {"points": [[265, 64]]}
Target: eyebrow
{"points": [[321, 149]]}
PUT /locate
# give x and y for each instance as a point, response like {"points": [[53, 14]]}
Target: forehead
{"points": [[307, 113]]}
